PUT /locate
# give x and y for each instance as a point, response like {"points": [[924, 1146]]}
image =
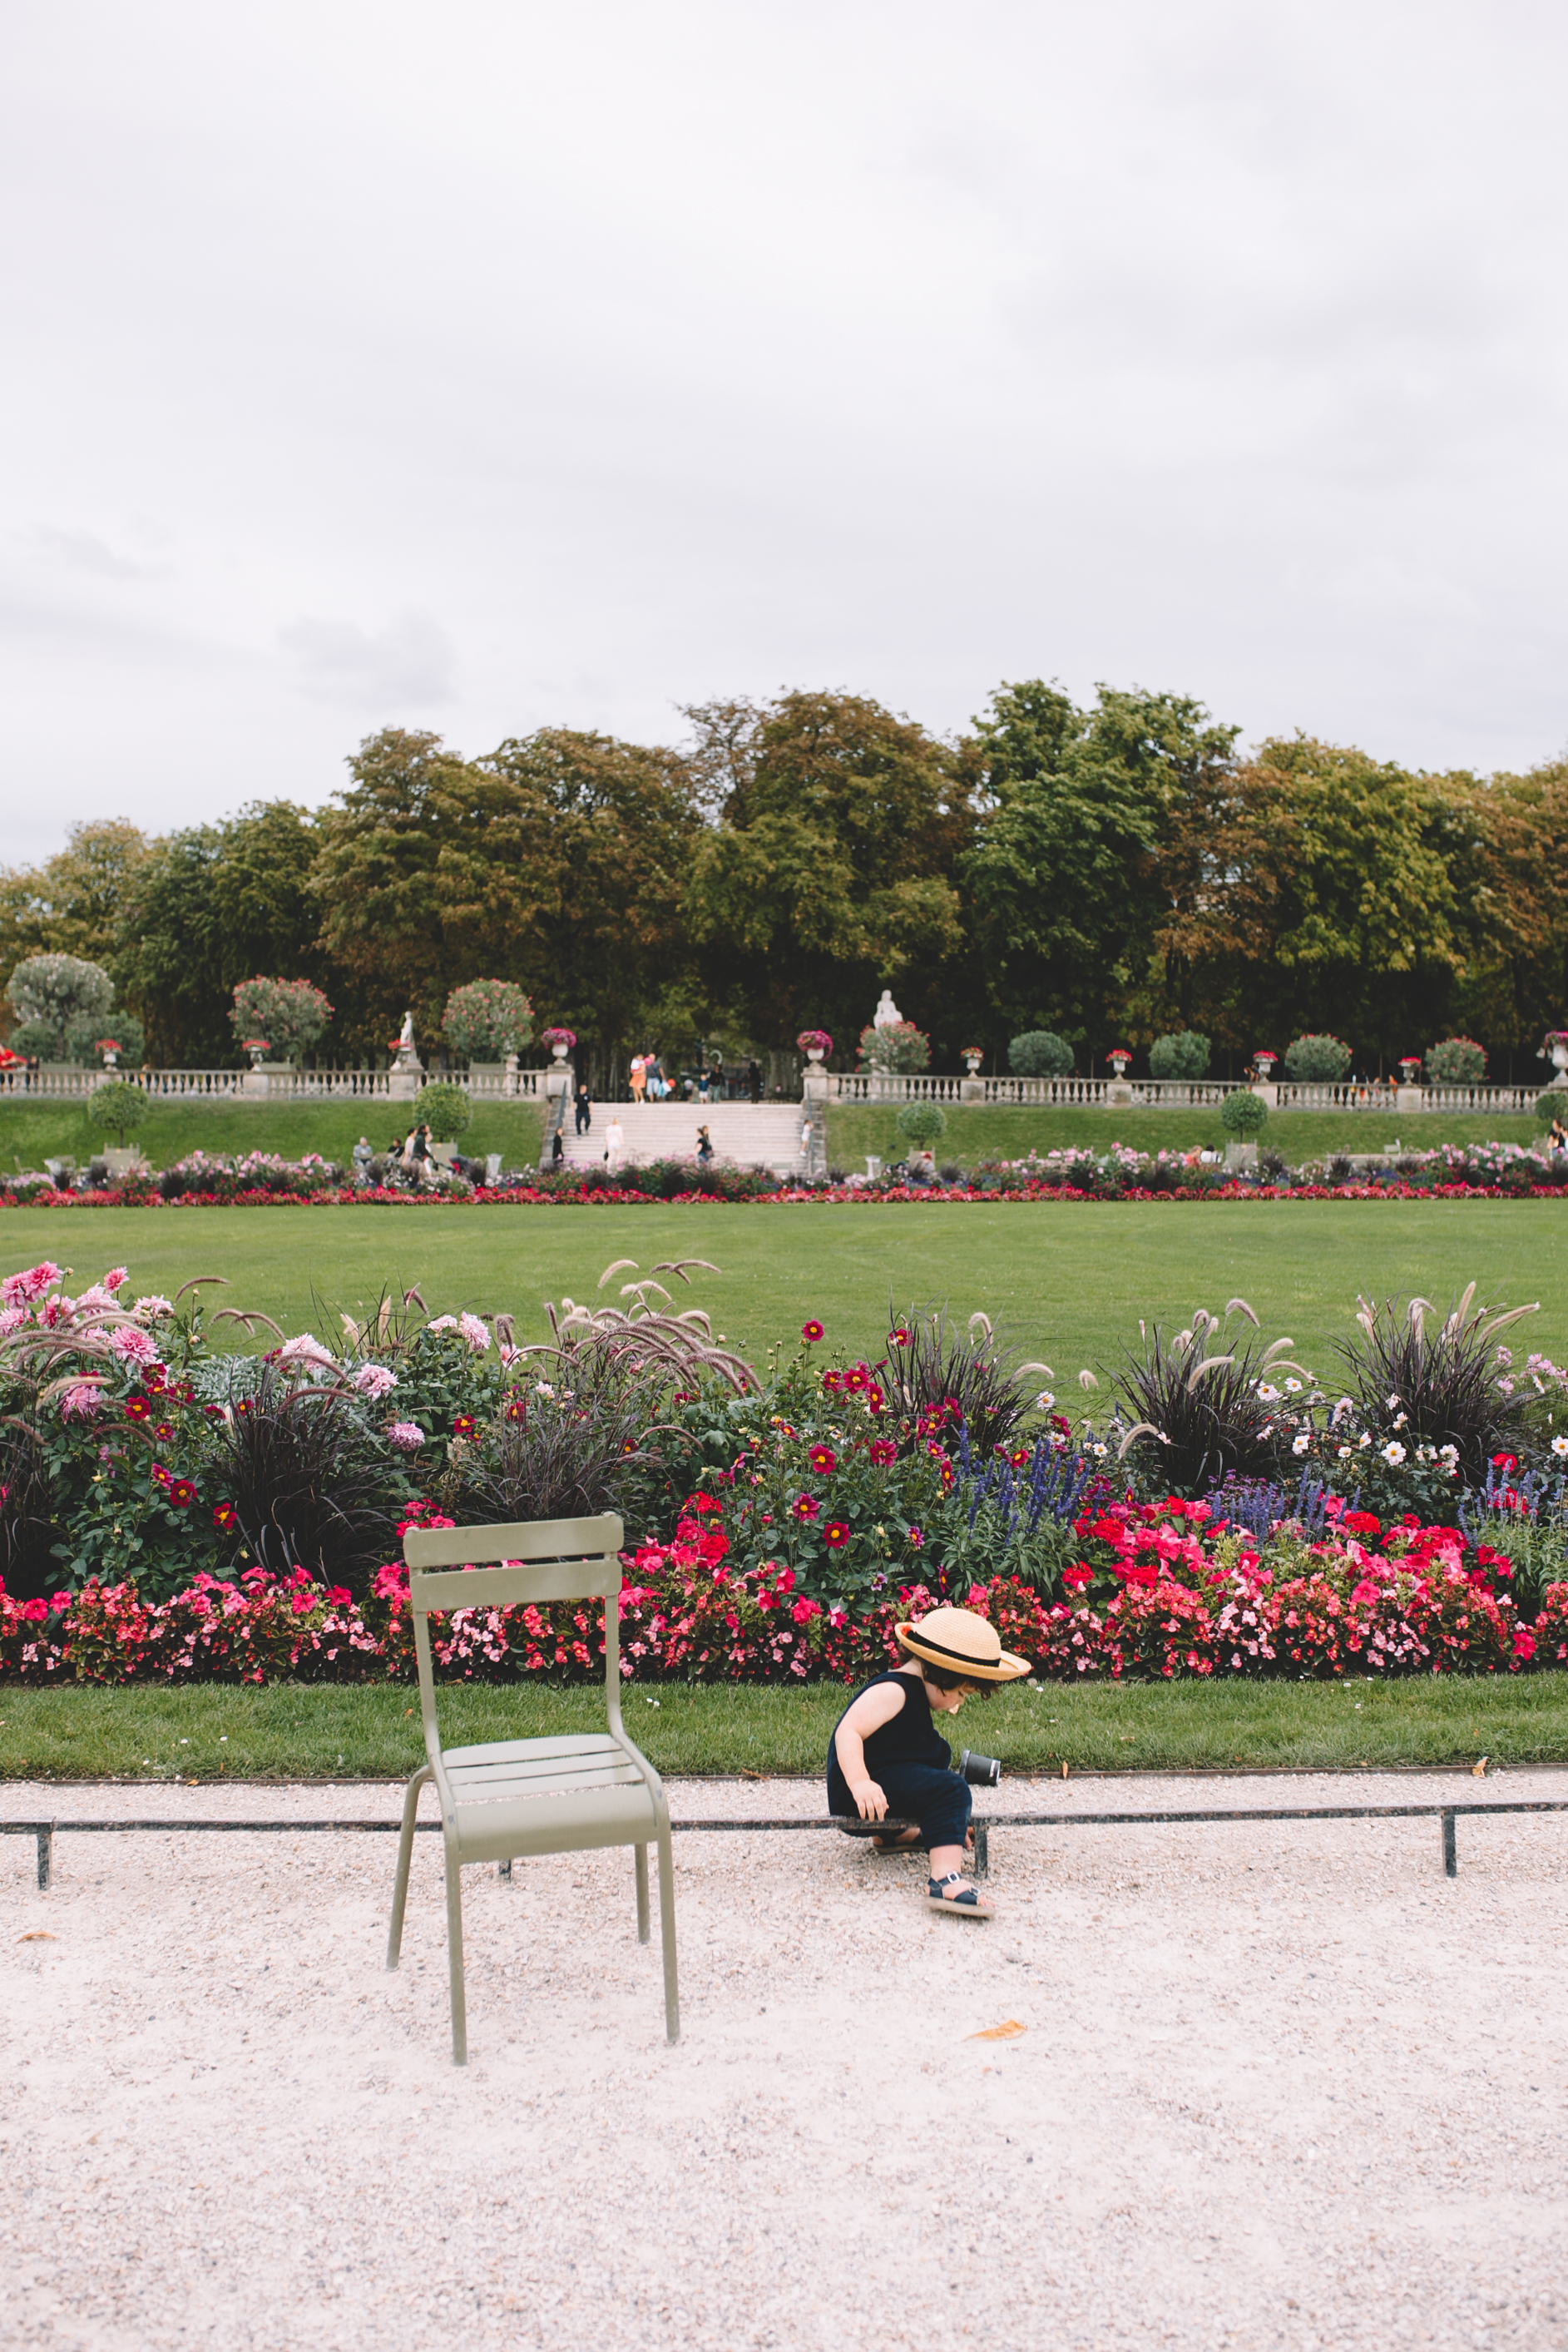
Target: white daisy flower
{"points": [[1293, 1387], [1303, 1444], [1393, 1453], [1269, 1394], [1560, 1446], [1044, 1400]]}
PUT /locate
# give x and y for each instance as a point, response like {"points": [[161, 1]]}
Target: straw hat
{"points": [[966, 1644]]}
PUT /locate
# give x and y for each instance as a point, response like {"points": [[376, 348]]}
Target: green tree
{"points": [[830, 873], [74, 903], [1065, 879], [209, 907]]}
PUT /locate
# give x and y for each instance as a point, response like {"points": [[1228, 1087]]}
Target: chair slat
{"points": [[512, 1587], [524, 1539]]}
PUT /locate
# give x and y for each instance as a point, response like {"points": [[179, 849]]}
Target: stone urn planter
{"points": [[1118, 1091], [1555, 1051]]}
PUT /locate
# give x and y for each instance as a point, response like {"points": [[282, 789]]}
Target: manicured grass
{"points": [[1069, 1281], [1008, 1133], [31, 1132], [215, 1732]]}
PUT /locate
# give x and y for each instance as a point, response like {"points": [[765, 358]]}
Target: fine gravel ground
{"points": [[1282, 2085]]}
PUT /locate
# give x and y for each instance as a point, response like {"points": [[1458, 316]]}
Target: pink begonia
{"points": [[21, 1289], [474, 1332], [133, 1345], [151, 1306], [406, 1435], [375, 1381], [82, 1402], [304, 1350]]}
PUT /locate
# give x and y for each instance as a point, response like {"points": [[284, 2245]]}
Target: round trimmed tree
{"points": [[117, 1109], [445, 1107], [1316, 1058], [1183, 1053], [1040, 1053], [1243, 1115], [922, 1122], [55, 998]]}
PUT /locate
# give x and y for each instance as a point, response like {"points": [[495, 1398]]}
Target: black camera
{"points": [[980, 1771]]}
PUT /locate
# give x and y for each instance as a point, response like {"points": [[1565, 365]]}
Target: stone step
{"points": [[745, 1135]]}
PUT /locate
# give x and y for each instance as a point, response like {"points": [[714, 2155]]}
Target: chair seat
{"points": [[546, 1796]]}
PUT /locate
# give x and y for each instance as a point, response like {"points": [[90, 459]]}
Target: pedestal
{"points": [[1407, 1098], [1242, 1155], [558, 1080], [1118, 1094], [1267, 1092], [406, 1076], [971, 1090]]}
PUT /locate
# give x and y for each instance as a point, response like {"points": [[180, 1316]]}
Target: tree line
{"points": [[1112, 872]]}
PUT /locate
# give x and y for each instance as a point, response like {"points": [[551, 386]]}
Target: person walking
{"points": [[584, 1110], [557, 1149], [639, 1075], [704, 1148], [614, 1143]]}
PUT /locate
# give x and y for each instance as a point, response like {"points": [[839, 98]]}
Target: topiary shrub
{"points": [[1243, 1115], [1316, 1058], [488, 1019], [1553, 1104], [445, 1107], [89, 1040], [1456, 1062], [1182, 1054], [922, 1122], [117, 1109], [1040, 1053]]}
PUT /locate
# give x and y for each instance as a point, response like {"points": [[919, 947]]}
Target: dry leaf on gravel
{"points": [[38, 1935], [1003, 2032]]}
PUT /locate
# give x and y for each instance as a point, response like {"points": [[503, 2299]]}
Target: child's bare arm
{"points": [[869, 1713]]}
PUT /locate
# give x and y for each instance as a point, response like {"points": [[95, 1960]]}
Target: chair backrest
{"points": [[544, 1560]]}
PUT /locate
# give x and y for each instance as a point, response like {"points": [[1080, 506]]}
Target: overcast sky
{"points": [[483, 366]]}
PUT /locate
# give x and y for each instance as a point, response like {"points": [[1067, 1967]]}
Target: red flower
{"points": [[339, 1595], [244, 1404], [136, 1406], [856, 1379], [898, 1337], [224, 1515], [1078, 1575], [517, 1408], [1505, 1462], [1361, 1523], [836, 1533], [1018, 1457], [214, 1412], [805, 1506], [162, 1477], [883, 1450], [832, 1381], [462, 1424], [182, 1494], [164, 1432], [823, 1461], [811, 1331]]}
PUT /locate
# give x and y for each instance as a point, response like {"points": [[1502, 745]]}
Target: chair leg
{"points": [[455, 1957], [640, 1863], [404, 1851], [668, 1934]]}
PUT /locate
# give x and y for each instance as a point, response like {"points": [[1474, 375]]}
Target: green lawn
{"points": [[31, 1133], [214, 1732], [1006, 1133], [1069, 1280]]}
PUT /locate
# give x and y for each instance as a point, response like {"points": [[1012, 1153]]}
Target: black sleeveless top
{"points": [[911, 1738]]}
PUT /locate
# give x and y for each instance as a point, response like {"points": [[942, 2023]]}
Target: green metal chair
{"points": [[530, 1796]]}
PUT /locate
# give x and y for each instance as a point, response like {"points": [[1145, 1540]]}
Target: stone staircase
{"points": [[747, 1135]]}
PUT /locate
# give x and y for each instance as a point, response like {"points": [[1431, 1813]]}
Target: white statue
{"points": [[405, 1035], [887, 1014]]}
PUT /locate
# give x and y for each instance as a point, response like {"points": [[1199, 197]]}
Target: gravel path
{"points": [[1281, 2086]]}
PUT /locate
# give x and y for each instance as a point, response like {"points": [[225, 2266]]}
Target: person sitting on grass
{"points": [[887, 1756]]}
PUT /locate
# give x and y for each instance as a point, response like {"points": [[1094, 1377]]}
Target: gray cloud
{"points": [[409, 662]]}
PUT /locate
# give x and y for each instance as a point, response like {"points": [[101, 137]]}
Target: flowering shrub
{"points": [[1456, 1062], [896, 1045], [488, 1019], [291, 1013]]}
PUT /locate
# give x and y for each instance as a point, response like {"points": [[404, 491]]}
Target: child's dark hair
{"points": [[946, 1678]]}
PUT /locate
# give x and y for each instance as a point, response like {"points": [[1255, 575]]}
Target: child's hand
{"points": [[871, 1801]]}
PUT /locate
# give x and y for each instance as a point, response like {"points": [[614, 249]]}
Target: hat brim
{"points": [[1006, 1669]]}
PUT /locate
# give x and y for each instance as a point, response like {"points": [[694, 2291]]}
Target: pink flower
{"points": [[375, 1381], [21, 1289], [115, 1278], [134, 1346], [304, 1350], [474, 1332], [82, 1402], [406, 1435]]}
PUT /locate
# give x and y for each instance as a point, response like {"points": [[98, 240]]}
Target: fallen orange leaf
{"points": [[1003, 2032], [40, 1936]]}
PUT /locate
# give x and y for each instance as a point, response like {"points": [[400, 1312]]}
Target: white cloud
{"points": [[623, 356], [407, 663]]}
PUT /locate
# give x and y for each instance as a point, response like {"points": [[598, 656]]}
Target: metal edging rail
{"points": [[1446, 1813]]}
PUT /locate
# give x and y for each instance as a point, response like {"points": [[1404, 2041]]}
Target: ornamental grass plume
{"points": [[1419, 1379]]}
